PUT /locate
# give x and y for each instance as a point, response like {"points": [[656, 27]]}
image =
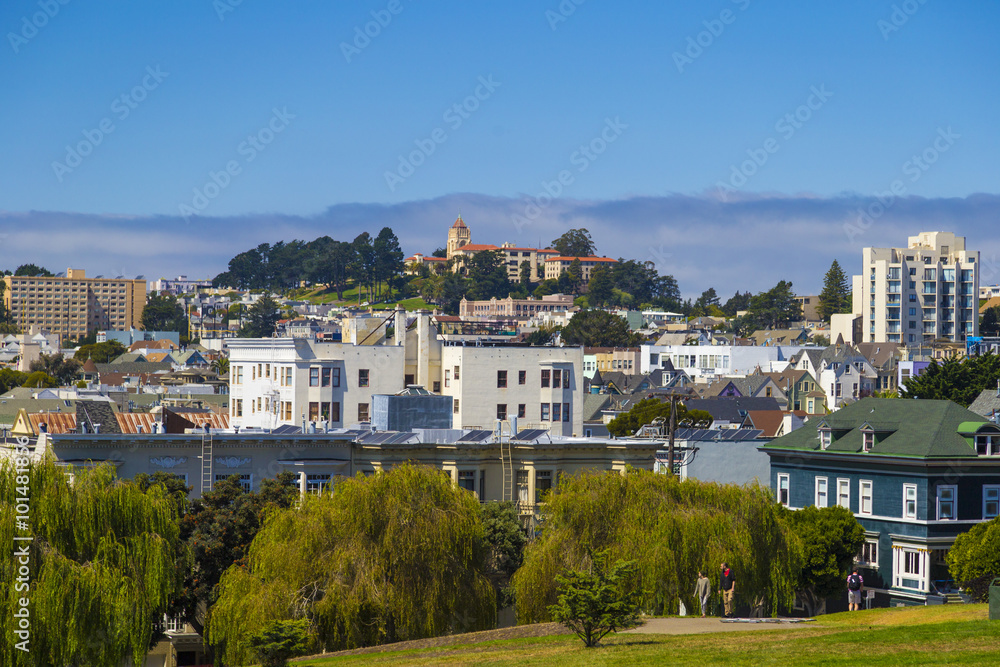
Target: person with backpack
{"points": [[855, 586], [727, 585]]}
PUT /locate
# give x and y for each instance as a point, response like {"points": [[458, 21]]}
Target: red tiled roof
{"points": [[582, 259], [476, 247], [459, 223], [55, 422]]}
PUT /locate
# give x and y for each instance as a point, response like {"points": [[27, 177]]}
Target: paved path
{"points": [[692, 625]]}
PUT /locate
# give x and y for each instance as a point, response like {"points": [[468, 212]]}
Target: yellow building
{"points": [[74, 305], [554, 266]]}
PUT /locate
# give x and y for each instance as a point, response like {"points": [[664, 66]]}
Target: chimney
{"points": [[400, 326]]}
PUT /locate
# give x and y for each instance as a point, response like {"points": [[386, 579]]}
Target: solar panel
{"points": [[287, 429], [475, 436], [530, 435]]}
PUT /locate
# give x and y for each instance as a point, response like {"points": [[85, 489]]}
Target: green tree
{"points": [[388, 259], [775, 308], [707, 299], [989, 325], [262, 318], [487, 271], [575, 243], [218, 529], [40, 380], [524, 271], [671, 529], [279, 641], [440, 252], [164, 313], [541, 336], [836, 294], [101, 353], [598, 328], [395, 556], [954, 380], [598, 601], [10, 378], [600, 288], [101, 564], [648, 409], [506, 540], [63, 370], [831, 537], [974, 559], [736, 303], [32, 270]]}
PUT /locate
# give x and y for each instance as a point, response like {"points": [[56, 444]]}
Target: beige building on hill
{"points": [[555, 265], [72, 305], [924, 292]]}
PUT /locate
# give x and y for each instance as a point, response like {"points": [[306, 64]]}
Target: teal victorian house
{"points": [[915, 473]]}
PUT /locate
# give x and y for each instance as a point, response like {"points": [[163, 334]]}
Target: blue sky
{"points": [[796, 101]]}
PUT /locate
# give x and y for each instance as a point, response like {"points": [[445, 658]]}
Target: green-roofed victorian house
{"points": [[915, 473]]}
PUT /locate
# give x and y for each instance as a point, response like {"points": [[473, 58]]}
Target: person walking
{"points": [[727, 586], [855, 586], [702, 590]]}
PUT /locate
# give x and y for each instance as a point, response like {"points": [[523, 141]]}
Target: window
{"points": [[546, 378], [909, 501], [334, 411], [543, 482], [566, 378], [822, 492], [987, 445], [267, 370], [557, 378], [456, 373], [313, 377], [783, 489], [467, 480], [522, 486], [910, 562], [545, 412], [501, 411], [436, 387], [565, 412], [238, 407], [865, 497], [287, 376], [502, 379], [447, 377], [824, 438], [522, 410], [869, 553], [946, 503], [335, 379], [246, 481], [286, 410], [362, 377], [326, 377], [238, 375], [522, 377], [316, 482], [455, 407], [362, 412], [868, 438], [313, 411], [991, 501]]}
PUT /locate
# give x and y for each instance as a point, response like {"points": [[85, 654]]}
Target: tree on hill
{"points": [[775, 308], [836, 294], [575, 243], [598, 328], [648, 409], [101, 353], [487, 275], [101, 560], [395, 556], [707, 299], [262, 318], [40, 380], [989, 325], [440, 252], [32, 270], [954, 380], [671, 529], [737, 302], [10, 378], [600, 288], [388, 260], [831, 537], [164, 313]]}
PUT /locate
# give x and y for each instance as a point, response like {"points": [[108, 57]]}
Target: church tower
{"points": [[458, 236]]}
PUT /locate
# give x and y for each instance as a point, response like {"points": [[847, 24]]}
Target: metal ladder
{"points": [[206, 463], [506, 464]]}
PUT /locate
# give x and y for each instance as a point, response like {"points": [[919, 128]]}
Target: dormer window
{"points": [[988, 445], [825, 437], [868, 438]]}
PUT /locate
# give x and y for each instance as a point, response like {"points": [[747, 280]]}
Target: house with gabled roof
{"points": [[916, 474]]}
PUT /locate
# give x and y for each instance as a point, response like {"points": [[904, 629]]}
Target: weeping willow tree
{"points": [[100, 564], [671, 529], [399, 555]]}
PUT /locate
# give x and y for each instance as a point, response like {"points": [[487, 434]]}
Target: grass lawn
{"points": [[941, 635]]}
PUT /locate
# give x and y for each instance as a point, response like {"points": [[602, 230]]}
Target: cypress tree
{"points": [[836, 295]]}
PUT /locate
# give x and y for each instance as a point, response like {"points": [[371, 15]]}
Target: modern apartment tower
{"points": [[924, 292], [74, 305]]}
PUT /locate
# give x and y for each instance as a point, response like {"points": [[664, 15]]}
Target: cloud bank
{"points": [[748, 242]]}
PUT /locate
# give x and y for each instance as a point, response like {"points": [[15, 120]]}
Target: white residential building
{"points": [[923, 292], [278, 381], [712, 361]]}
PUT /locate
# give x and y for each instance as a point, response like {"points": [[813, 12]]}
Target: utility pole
{"points": [[673, 427]]}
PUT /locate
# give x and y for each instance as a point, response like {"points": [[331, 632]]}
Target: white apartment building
{"points": [[711, 361], [541, 387], [923, 292], [279, 381]]}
